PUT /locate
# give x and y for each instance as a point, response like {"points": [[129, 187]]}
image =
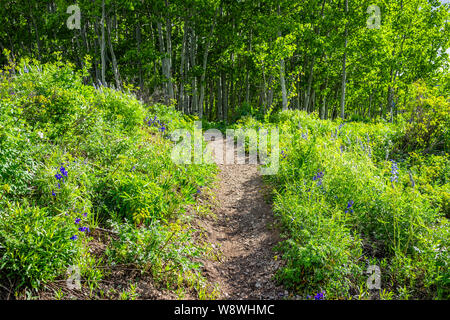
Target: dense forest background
{"points": [[223, 59]]}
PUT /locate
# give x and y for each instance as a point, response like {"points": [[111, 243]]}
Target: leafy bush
{"points": [[348, 199], [37, 246], [73, 156], [428, 118]]}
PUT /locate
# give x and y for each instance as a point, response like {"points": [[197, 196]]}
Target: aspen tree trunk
{"points": [[211, 101], [162, 50], [194, 105], [263, 91], [169, 55], [344, 65], [113, 56], [282, 79], [247, 93], [224, 97], [138, 40], [310, 79], [205, 61], [219, 99], [270, 93], [36, 32], [102, 45], [313, 101], [181, 100]]}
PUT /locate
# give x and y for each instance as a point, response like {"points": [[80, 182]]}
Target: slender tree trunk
{"points": [[164, 61], [36, 32], [205, 61], [193, 54], [169, 55], [247, 93], [282, 71], [224, 97], [219, 99], [102, 45], [181, 100], [211, 100], [344, 62], [138, 40], [113, 56], [310, 79], [313, 101]]}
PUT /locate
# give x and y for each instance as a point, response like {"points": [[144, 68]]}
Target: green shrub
{"points": [[344, 204], [70, 151], [36, 246]]}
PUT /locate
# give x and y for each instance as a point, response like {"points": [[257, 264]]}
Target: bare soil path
{"points": [[245, 235]]}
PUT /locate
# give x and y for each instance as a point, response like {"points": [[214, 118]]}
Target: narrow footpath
{"points": [[244, 234]]}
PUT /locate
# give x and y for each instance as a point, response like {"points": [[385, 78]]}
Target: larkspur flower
{"points": [[63, 171], [74, 237], [318, 177], [77, 220], [53, 193], [394, 171], [85, 214], [319, 296], [349, 206], [58, 176], [83, 229]]}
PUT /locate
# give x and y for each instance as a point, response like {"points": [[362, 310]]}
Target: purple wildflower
{"points": [[349, 206], [319, 296]]}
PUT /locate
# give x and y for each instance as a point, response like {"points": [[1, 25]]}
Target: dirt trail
{"points": [[244, 235]]}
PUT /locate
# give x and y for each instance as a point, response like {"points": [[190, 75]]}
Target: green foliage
{"points": [[36, 245], [344, 205], [74, 156], [428, 118]]}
